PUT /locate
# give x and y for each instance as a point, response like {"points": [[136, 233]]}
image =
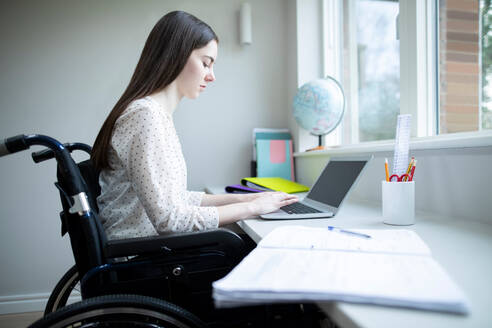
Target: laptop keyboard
{"points": [[299, 208]]}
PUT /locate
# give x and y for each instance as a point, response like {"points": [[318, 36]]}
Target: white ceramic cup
{"points": [[398, 202]]}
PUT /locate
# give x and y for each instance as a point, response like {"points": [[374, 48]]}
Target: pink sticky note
{"points": [[277, 151]]}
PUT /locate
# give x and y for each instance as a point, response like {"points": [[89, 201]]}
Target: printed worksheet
{"points": [[383, 241], [299, 264]]}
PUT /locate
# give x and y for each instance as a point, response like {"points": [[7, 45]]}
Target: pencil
{"points": [[409, 168], [413, 170], [386, 169]]}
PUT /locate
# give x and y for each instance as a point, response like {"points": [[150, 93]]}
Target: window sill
{"points": [[454, 140]]}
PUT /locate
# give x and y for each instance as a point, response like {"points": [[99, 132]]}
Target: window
{"points": [[436, 64], [371, 68]]}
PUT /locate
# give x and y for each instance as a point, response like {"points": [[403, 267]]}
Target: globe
{"points": [[319, 106]]}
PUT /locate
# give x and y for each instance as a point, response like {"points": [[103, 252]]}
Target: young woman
{"points": [[143, 174]]}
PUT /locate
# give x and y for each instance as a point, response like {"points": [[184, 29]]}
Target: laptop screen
{"points": [[335, 181]]}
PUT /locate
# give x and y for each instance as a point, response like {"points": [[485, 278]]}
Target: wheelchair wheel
{"points": [[120, 311], [65, 288]]}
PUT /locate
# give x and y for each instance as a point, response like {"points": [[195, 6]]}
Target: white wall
{"points": [[454, 182], [64, 64]]}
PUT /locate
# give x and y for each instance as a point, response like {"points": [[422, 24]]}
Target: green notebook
{"points": [[275, 184]]}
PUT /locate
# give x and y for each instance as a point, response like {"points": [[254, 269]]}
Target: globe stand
{"points": [[320, 144]]}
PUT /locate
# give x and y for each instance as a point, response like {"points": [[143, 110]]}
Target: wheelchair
{"points": [[159, 281]]}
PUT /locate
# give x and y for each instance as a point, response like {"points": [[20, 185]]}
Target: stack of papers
{"points": [[300, 264]]}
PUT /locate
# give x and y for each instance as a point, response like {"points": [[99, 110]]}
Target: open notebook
{"points": [[300, 264]]}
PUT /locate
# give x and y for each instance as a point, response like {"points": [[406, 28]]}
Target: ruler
{"points": [[402, 144]]}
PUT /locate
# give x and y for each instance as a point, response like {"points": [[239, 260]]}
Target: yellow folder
{"points": [[276, 184]]}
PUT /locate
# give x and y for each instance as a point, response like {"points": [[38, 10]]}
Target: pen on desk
{"points": [[386, 169], [353, 233]]}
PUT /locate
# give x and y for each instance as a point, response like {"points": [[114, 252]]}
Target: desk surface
{"points": [[461, 246]]}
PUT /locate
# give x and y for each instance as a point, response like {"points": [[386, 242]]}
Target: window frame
{"points": [[418, 65]]}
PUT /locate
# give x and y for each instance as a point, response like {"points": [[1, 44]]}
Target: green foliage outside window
{"points": [[486, 42]]}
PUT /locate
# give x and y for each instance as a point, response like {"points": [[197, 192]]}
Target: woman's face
{"points": [[198, 71]]}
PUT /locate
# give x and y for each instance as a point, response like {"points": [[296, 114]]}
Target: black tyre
{"points": [[120, 311], [67, 285]]}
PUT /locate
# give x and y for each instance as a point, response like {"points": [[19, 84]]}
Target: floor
{"points": [[19, 320], [23, 320]]}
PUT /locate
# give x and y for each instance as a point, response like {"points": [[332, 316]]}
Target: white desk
{"points": [[461, 246]]}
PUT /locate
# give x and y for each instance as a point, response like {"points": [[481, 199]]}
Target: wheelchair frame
{"points": [[165, 274]]}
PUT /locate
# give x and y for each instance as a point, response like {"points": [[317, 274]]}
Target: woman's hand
{"points": [[252, 205], [267, 202]]}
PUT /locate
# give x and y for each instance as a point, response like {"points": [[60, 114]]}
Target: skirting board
{"points": [[28, 303]]}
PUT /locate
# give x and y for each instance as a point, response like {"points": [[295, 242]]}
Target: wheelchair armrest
{"points": [[221, 239]]}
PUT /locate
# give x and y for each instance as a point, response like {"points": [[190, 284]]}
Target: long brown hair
{"points": [[163, 57]]}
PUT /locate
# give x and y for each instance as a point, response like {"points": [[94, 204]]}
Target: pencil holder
{"points": [[398, 202]]}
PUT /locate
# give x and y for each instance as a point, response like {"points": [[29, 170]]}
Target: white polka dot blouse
{"points": [[146, 193]]}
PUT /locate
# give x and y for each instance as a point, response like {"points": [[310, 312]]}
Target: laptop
{"points": [[328, 192]]}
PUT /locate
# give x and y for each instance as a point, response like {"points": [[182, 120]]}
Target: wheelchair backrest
{"points": [[88, 238], [91, 178]]}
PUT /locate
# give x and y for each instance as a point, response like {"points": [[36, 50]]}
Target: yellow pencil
{"points": [[409, 168], [413, 170], [386, 169]]}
